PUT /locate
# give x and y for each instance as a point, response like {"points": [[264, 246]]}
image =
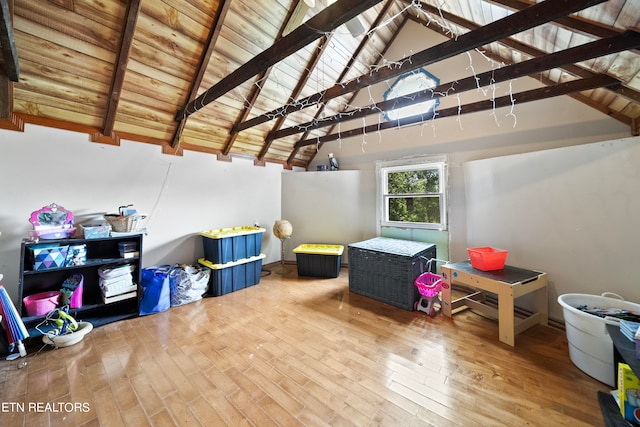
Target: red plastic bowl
{"points": [[487, 258]]}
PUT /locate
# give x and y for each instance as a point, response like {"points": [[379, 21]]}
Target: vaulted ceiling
{"points": [[272, 79]]}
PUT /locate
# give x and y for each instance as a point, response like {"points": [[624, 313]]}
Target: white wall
{"points": [[183, 195], [542, 125], [570, 212], [326, 208]]}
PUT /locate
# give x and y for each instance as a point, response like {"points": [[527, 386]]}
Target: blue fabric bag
{"points": [[156, 291]]}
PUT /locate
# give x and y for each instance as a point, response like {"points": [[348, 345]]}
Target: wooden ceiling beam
{"points": [[627, 40], [312, 64], [530, 17], [8, 43], [6, 97], [122, 60], [293, 20], [508, 42], [629, 93], [250, 100], [560, 89], [575, 70], [324, 22], [6, 85], [221, 13], [573, 23], [363, 43], [591, 103]]}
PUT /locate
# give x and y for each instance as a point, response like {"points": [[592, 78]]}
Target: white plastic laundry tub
{"points": [[590, 347]]}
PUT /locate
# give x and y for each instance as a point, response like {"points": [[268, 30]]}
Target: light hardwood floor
{"points": [[296, 351]]}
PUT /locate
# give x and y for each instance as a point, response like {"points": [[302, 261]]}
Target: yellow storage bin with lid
{"points": [[318, 260], [232, 244]]}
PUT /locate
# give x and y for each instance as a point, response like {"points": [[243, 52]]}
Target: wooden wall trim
{"points": [[14, 122], [17, 121]]}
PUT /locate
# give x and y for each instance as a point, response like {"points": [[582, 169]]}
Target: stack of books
{"points": [[629, 329], [116, 283]]}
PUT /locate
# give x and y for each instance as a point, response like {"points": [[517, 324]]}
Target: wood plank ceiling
{"points": [[272, 79]]}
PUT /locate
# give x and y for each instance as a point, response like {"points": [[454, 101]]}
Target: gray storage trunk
{"points": [[384, 269]]}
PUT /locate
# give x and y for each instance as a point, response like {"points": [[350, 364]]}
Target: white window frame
{"points": [[384, 168]]}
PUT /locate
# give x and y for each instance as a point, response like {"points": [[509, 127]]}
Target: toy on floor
{"points": [[65, 330], [429, 285]]}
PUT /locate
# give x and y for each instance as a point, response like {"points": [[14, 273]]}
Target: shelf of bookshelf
{"points": [[100, 252]]}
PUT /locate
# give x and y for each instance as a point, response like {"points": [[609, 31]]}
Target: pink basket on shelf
{"points": [[41, 303]]}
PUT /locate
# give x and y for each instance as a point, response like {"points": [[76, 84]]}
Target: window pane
{"points": [[414, 182], [404, 86], [413, 195], [424, 109], [415, 209]]}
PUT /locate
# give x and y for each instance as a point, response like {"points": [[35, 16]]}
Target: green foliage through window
{"points": [[413, 195]]}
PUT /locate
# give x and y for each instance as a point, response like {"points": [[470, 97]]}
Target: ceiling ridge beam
{"points": [[546, 92], [530, 17], [323, 22], [580, 53], [221, 13], [132, 13]]}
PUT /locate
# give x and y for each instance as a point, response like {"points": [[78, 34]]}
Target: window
{"points": [[413, 196], [407, 84]]}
